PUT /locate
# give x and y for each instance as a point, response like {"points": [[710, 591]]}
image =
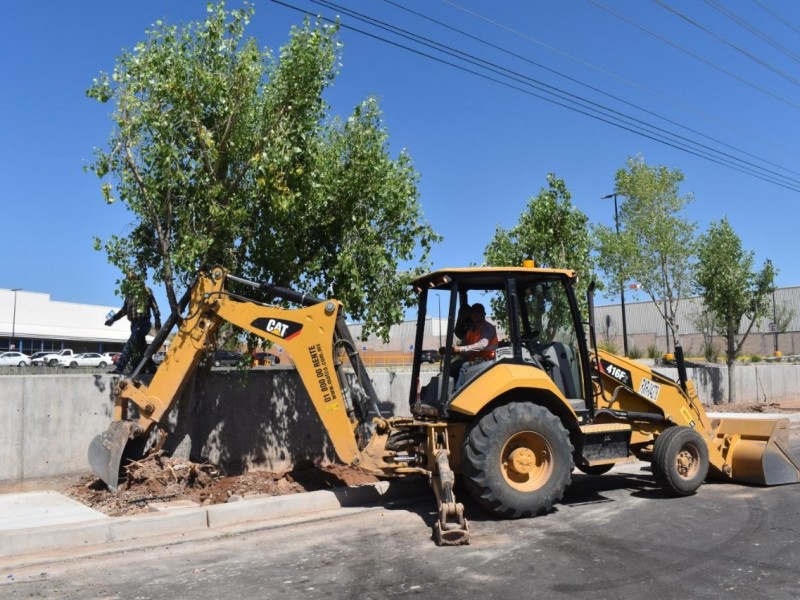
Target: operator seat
{"points": [[564, 372]]}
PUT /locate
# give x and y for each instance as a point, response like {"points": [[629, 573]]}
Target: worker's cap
{"points": [[478, 309]]}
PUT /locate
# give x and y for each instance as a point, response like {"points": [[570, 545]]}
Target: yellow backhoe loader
{"points": [[544, 404]]}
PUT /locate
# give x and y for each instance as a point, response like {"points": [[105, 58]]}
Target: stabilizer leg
{"points": [[451, 528]]}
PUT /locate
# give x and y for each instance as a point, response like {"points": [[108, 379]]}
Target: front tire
{"points": [[73, 365], [680, 461], [517, 460], [102, 364]]}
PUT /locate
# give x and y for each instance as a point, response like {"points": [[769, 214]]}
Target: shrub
{"points": [[755, 358], [634, 352], [710, 352], [652, 351], [608, 346]]}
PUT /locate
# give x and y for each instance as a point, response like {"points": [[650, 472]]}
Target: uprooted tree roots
{"points": [[167, 471], [159, 478]]}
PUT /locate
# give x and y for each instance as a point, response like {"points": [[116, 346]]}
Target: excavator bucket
{"points": [[756, 451], [110, 450]]}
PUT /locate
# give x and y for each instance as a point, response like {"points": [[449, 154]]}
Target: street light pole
{"points": [[775, 320], [14, 318], [621, 281]]}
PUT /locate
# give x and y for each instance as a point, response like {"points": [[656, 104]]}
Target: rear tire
{"points": [[517, 460], [680, 461], [102, 364]]}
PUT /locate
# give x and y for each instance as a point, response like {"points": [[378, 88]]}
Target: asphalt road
{"points": [[613, 537]]}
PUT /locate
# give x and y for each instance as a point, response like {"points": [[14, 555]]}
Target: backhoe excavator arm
{"points": [[310, 335]]}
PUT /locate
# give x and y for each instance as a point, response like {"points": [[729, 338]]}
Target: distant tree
{"points": [[706, 323], [655, 246], [737, 295], [608, 330], [782, 319], [226, 155], [783, 316], [554, 233]]}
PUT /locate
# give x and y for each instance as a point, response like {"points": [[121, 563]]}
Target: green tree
{"points": [[225, 154], [655, 246], [737, 295], [554, 233]]}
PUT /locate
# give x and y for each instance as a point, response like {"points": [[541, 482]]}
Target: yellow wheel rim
{"points": [[687, 462], [526, 461]]}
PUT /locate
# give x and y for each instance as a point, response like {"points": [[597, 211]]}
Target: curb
{"points": [[183, 524]]}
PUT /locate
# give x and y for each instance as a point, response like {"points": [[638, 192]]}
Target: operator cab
{"points": [[538, 325]]}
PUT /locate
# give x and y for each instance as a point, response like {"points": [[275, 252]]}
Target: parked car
{"points": [[431, 356], [37, 358], [87, 359], [265, 358], [226, 358], [15, 359], [158, 357], [54, 358]]}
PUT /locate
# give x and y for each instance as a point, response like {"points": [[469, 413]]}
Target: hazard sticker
{"points": [[688, 416], [650, 390]]}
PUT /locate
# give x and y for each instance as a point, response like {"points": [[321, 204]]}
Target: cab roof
{"points": [[486, 277]]}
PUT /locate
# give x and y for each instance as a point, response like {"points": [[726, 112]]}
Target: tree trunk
{"points": [[731, 361]]}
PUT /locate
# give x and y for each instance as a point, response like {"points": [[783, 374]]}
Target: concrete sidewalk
{"points": [[41, 526], [46, 525]]}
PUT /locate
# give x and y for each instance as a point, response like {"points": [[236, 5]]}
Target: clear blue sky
{"points": [[482, 149]]}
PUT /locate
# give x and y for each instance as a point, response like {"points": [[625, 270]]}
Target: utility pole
{"points": [[621, 281], [14, 318]]}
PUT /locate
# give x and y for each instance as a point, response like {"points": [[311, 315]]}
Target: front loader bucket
{"points": [[756, 451], [107, 450]]}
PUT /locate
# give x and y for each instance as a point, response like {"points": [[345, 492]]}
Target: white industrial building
{"points": [[32, 322]]}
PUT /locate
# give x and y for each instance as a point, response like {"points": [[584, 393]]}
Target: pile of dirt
{"points": [[158, 478]]}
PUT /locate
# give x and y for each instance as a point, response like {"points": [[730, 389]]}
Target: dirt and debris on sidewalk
{"points": [[158, 478], [759, 407]]}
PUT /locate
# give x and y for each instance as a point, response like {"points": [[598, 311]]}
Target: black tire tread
{"points": [[665, 450], [486, 484]]}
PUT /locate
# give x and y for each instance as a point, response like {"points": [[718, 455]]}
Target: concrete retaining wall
{"points": [[262, 418], [47, 422], [752, 383]]}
